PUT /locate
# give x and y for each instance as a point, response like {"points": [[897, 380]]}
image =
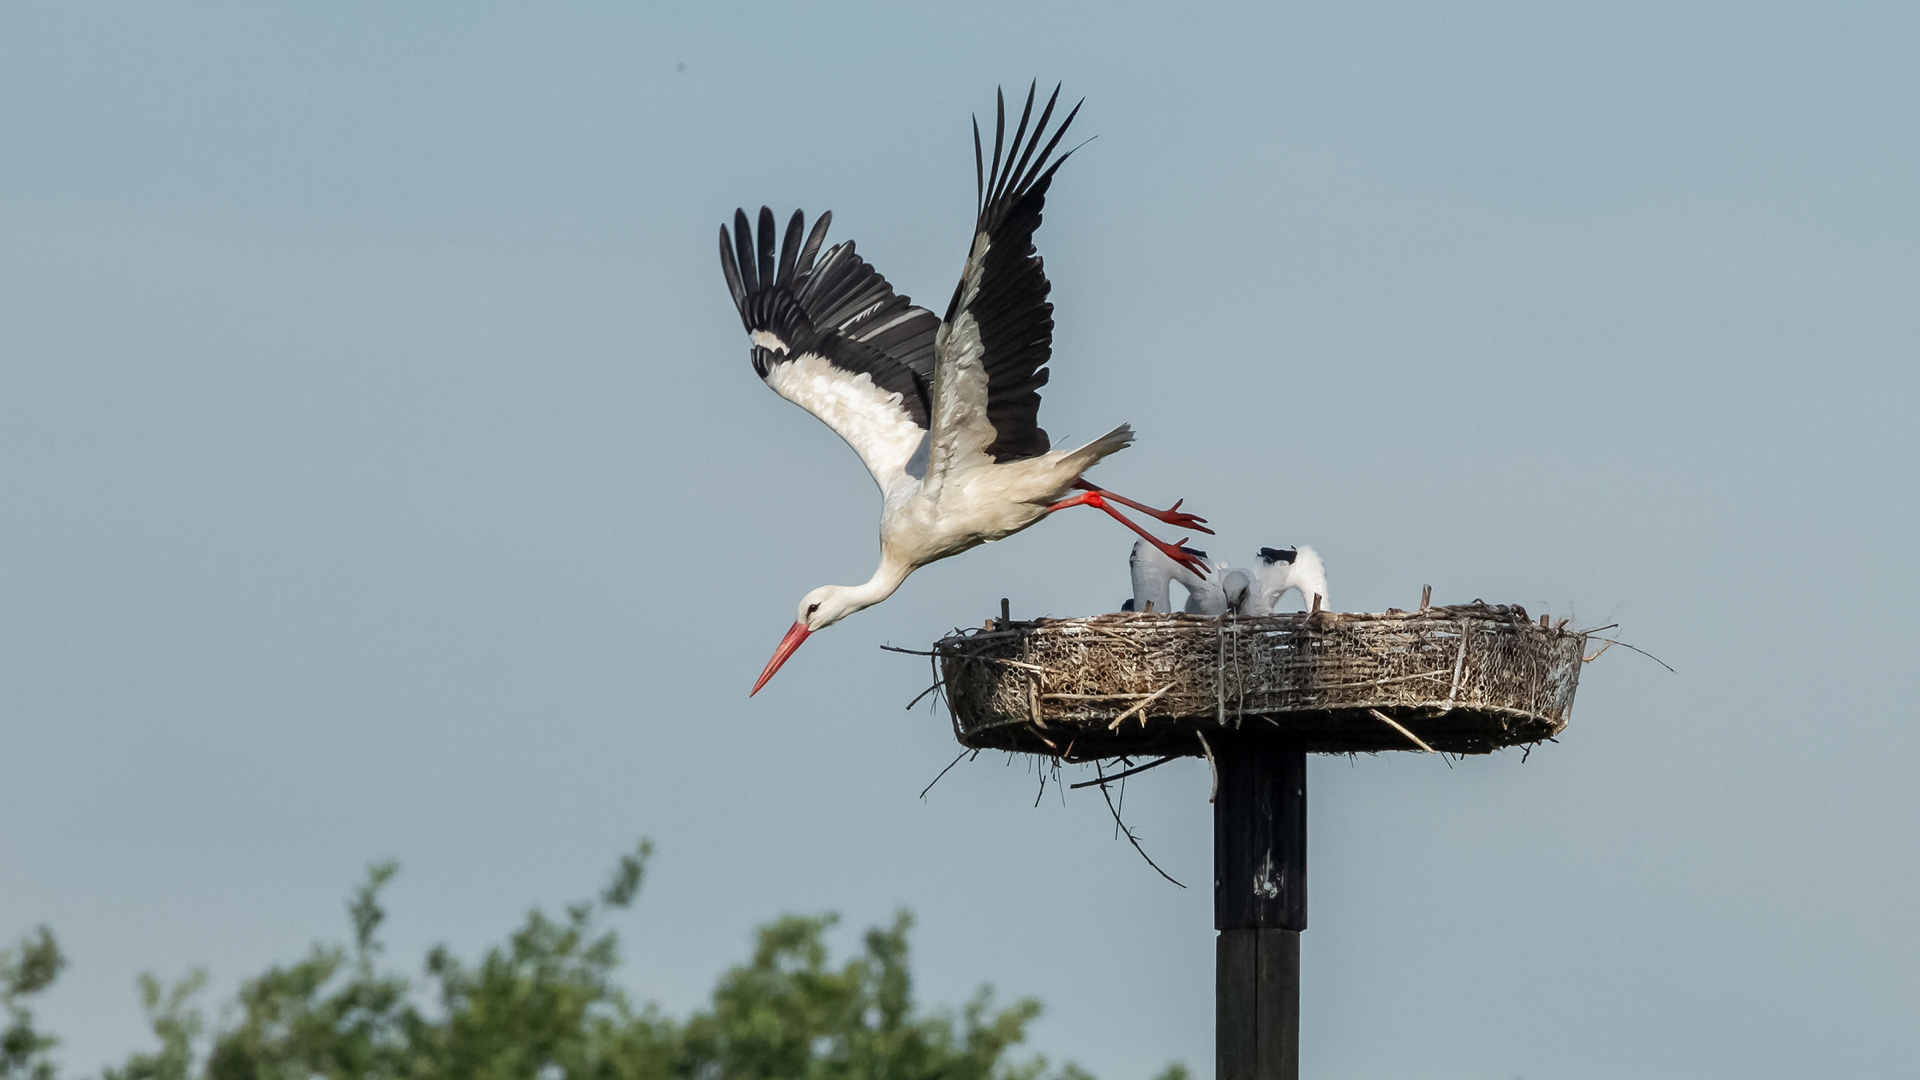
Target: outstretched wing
{"points": [[833, 338], [993, 347]]}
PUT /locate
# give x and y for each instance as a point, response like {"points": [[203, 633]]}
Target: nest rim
{"points": [[1362, 682]]}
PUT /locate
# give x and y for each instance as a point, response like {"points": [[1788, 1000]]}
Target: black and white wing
{"points": [[994, 344], [833, 338]]}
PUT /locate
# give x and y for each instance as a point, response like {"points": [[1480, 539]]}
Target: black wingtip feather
{"points": [[743, 248], [790, 250], [979, 173], [999, 134], [735, 287], [766, 246], [804, 265]]}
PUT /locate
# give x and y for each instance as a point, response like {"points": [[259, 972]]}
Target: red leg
{"points": [[1098, 500], [1171, 515]]}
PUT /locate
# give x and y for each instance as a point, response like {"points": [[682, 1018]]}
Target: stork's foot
{"points": [[1098, 500], [1177, 551], [1171, 515]]}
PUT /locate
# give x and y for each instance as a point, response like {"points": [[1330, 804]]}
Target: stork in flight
{"points": [[943, 412]]}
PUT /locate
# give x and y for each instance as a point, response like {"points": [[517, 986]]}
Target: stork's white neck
{"points": [[836, 602], [886, 579]]}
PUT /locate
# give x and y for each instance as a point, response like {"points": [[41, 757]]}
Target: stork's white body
{"points": [[974, 502]]}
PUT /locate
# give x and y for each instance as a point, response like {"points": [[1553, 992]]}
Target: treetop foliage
{"points": [[543, 1005]]}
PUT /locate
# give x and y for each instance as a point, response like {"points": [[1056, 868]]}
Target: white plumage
{"points": [[1255, 590]]}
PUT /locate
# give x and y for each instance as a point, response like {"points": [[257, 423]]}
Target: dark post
{"points": [[1259, 904]]}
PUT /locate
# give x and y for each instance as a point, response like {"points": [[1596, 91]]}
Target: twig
{"points": [[1395, 725], [1139, 708], [1212, 765], [970, 636], [921, 694], [1131, 839], [909, 652], [1598, 655], [1011, 663], [1642, 652], [1104, 779], [943, 772]]}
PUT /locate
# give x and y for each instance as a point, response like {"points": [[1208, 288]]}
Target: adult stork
{"points": [[943, 412]]}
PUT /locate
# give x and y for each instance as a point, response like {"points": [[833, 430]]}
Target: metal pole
{"points": [[1259, 904]]}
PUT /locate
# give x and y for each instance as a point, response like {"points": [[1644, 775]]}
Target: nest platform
{"points": [[1468, 679]]}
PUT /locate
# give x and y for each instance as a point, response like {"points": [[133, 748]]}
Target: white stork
{"points": [[944, 413]]}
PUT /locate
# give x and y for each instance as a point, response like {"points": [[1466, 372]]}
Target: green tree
{"points": [[543, 1006], [24, 972]]}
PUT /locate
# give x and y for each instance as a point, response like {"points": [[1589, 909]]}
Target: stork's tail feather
{"points": [[1111, 443]]}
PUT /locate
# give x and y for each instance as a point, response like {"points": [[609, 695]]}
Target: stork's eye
{"points": [[811, 608]]}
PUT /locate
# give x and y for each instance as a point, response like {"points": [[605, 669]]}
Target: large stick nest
{"points": [[1466, 680]]}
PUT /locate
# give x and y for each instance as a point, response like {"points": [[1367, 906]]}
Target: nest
{"points": [[1467, 680]]}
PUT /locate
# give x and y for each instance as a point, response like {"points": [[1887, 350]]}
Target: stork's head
{"points": [[1239, 587], [820, 609]]}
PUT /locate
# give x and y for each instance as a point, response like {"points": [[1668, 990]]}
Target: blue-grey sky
{"points": [[382, 474]]}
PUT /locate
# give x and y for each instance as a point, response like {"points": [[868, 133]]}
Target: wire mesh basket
{"points": [[1467, 679]]}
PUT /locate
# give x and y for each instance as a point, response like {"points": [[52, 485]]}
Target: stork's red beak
{"points": [[795, 635]]}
